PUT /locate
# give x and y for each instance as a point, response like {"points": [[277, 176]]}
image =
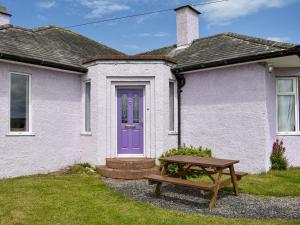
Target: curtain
{"points": [[88, 106], [286, 113], [171, 106]]}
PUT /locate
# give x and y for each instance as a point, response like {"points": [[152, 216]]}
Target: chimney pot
{"points": [[187, 23], [4, 16]]}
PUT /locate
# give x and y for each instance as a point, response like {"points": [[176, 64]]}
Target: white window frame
{"points": [[20, 133], [175, 108], [296, 94], [84, 131]]}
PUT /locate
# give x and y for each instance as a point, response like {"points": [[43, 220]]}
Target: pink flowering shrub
{"points": [[278, 159]]}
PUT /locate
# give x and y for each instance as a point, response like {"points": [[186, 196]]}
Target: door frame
{"points": [[140, 87], [109, 140]]}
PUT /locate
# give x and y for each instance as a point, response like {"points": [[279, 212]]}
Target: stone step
{"points": [[125, 173], [130, 163]]}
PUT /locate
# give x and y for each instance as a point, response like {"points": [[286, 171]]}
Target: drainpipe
{"points": [[180, 83]]}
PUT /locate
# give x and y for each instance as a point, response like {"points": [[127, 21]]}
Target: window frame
{"points": [[20, 133], [174, 131], [296, 84], [85, 132]]}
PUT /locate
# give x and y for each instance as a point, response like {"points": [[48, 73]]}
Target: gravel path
{"points": [[191, 200]]}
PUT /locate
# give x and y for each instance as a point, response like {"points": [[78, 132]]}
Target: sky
{"points": [[271, 19]]}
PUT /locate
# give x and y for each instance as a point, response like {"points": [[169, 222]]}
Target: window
{"points": [[19, 103], [136, 109], [171, 106], [124, 108], [87, 105], [287, 91]]}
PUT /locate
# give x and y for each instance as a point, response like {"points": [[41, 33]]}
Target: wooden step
{"points": [[130, 163], [178, 181], [126, 174]]}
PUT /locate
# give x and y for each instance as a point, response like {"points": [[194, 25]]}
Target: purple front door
{"points": [[130, 113]]}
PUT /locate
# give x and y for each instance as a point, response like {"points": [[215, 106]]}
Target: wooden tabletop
{"points": [[201, 161]]}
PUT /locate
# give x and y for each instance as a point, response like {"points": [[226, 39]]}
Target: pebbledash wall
{"points": [[106, 77], [57, 138], [233, 111], [230, 110], [56, 102]]}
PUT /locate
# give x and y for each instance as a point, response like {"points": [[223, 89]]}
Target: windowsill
{"points": [[20, 134], [86, 134], [173, 133], [288, 134]]}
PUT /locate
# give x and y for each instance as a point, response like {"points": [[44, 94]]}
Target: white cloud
{"points": [[157, 35], [46, 4], [279, 39], [144, 18], [101, 7], [224, 12]]}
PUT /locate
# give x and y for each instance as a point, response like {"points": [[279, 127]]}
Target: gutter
{"points": [[128, 57], [42, 63], [287, 52], [180, 84]]}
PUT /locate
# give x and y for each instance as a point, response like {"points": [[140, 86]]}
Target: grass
{"points": [[275, 183], [82, 198]]}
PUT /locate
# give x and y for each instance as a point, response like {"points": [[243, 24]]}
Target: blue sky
{"points": [[272, 19]]}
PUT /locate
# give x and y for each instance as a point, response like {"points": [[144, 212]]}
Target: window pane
{"points": [[19, 103], [285, 85], [88, 106], [286, 113], [124, 108], [136, 107], [171, 106]]}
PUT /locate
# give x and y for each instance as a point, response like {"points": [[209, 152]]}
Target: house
{"points": [[67, 99]]}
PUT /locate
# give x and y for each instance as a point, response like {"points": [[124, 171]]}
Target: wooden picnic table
{"points": [[212, 167]]}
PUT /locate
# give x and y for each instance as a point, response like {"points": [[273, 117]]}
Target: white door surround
{"points": [[147, 83]]}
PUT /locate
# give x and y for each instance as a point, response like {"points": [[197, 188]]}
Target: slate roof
{"points": [[49, 46], [224, 49]]}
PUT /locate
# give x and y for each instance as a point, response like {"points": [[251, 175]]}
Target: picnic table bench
{"points": [[212, 167]]}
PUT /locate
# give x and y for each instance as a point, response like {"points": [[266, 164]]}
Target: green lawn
{"points": [[274, 183], [84, 199]]}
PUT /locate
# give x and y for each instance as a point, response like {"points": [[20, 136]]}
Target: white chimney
{"points": [[4, 16], [187, 23]]}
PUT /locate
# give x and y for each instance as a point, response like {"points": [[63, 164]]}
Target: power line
{"points": [[138, 15]]}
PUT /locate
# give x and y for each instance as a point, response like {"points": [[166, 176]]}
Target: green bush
{"points": [[278, 160], [184, 150]]}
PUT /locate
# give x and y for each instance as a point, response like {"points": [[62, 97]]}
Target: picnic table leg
{"points": [[213, 200], [157, 189], [164, 169], [233, 180]]}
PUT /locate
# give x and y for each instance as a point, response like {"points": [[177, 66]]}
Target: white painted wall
{"points": [[57, 116], [187, 26], [55, 122], [230, 110], [105, 77], [4, 19], [225, 110]]}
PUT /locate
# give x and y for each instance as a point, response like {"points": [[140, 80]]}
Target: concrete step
{"points": [[126, 174], [130, 163]]}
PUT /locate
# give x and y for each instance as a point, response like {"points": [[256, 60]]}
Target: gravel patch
{"points": [[193, 201]]}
